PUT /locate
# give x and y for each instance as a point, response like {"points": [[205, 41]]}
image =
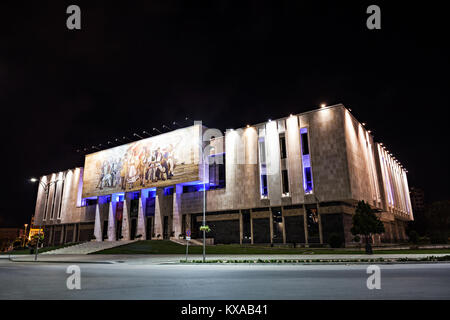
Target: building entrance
{"points": [[133, 228], [166, 227], [105, 230]]}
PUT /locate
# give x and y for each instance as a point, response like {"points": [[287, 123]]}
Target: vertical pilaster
{"points": [[75, 230], [176, 214], [63, 233], [126, 218], [305, 226], [271, 225], [78, 231], [251, 227], [241, 227], [158, 213], [112, 220], [98, 223], [284, 225], [141, 216]]}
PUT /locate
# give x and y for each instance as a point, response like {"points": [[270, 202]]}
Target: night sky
{"points": [[138, 65]]}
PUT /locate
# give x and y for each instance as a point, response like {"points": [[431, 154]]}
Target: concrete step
{"points": [[192, 242], [88, 247]]}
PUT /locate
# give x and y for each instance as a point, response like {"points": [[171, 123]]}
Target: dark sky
{"points": [[135, 65]]}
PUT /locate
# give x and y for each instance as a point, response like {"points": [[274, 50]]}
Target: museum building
{"points": [[291, 180]]}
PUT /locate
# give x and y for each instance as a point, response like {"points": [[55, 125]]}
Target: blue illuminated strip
{"points": [[306, 161]]}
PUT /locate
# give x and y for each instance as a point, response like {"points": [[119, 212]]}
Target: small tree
{"points": [[205, 228], [366, 224]]}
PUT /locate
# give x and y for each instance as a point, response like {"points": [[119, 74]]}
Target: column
{"points": [[320, 226], [158, 215], [63, 234], [98, 223], [284, 225], [75, 231], [78, 231], [271, 224], [305, 226], [50, 236], [176, 215], [112, 219], [251, 227], [241, 228], [141, 216], [126, 217]]}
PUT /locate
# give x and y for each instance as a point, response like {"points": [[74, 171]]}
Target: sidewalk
{"points": [[175, 258]]}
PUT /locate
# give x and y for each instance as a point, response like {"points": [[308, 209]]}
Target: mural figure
{"points": [[145, 163]]}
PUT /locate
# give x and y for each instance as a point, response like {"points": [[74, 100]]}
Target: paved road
{"points": [[175, 258], [153, 281]]}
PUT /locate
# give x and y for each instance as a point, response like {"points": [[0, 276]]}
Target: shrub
{"points": [[335, 240]]}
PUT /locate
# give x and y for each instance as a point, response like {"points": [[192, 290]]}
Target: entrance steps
{"points": [[89, 247], [192, 242]]}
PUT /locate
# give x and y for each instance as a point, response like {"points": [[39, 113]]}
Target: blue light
{"points": [[168, 191], [306, 162]]}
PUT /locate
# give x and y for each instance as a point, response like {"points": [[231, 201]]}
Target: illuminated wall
{"points": [[159, 161]]}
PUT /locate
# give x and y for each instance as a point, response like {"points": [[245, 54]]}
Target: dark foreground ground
{"points": [[26, 280]]}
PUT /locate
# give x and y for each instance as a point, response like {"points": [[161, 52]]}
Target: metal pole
{"points": [[46, 190], [204, 207], [204, 221], [187, 246]]}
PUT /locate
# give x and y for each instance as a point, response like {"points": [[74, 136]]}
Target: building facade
{"points": [[290, 180]]}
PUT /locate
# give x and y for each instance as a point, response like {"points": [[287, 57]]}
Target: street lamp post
{"points": [[46, 187], [204, 206]]}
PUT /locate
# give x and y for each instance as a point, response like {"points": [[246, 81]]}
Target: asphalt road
{"points": [[164, 281]]}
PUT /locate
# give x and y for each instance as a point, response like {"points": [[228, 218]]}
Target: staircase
{"points": [[89, 247], [192, 242]]}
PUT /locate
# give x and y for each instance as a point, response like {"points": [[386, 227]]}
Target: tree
{"points": [[366, 224]]}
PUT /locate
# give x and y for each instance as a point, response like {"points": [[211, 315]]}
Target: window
{"points": [[264, 190], [217, 171], [88, 202], [61, 200], [285, 182], [168, 191], [283, 152], [304, 137], [190, 188], [151, 193], [55, 190], [306, 161], [262, 167], [312, 221]]}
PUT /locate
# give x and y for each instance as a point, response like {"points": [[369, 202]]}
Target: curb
{"points": [[312, 263], [69, 261]]}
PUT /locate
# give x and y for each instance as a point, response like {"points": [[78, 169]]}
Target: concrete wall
{"points": [[63, 200]]}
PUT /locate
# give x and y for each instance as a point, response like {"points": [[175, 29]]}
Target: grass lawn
{"points": [[41, 250], [169, 247]]}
